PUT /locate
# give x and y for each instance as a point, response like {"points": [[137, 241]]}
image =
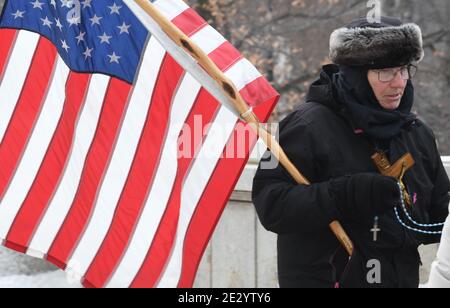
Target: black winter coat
{"points": [[320, 140]]}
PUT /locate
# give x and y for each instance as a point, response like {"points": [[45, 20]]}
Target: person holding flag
{"points": [[374, 166]]}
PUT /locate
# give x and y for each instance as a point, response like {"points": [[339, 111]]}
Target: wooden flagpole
{"points": [[241, 106]]}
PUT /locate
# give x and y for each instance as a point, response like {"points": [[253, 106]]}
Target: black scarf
{"points": [[353, 91]]}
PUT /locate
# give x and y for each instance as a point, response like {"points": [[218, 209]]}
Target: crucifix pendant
{"points": [[375, 229], [397, 170]]}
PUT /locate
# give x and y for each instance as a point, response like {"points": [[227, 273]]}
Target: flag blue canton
{"points": [[101, 36]]}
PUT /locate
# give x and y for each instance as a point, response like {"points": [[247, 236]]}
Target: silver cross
{"points": [[375, 230]]}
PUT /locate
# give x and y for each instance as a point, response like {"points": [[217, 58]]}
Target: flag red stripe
{"points": [[52, 167], [258, 91], [140, 177], [225, 56], [7, 39], [100, 152], [26, 111], [204, 111], [189, 22], [212, 204]]}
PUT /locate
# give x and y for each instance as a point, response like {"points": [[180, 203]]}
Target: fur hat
{"points": [[377, 45]]}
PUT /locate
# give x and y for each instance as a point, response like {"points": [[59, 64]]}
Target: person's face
{"points": [[389, 85]]}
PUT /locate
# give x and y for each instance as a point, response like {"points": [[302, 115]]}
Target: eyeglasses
{"points": [[387, 75]]}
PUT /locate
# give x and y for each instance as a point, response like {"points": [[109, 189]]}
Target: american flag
{"points": [[93, 101]]}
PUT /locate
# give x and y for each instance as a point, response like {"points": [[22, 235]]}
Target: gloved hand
{"points": [[363, 196]]}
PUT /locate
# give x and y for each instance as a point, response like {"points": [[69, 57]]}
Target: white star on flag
{"points": [[18, 14], [67, 3], [74, 21], [46, 22], [104, 38], [114, 58], [115, 9], [58, 24], [65, 46], [37, 5], [80, 37], [95, 20], [86, 3], [124, 28], [88, 53]]}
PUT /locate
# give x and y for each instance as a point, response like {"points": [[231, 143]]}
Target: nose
{"points": [[398, 81]]}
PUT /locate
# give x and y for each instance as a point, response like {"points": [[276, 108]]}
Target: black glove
{"points": [[363, 196]]}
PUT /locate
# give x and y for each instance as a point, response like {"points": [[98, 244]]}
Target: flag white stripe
{"points": [[186, 61], [65, 193], [208, 39], [243, 73], [36, 148], [121, 160], [199, 176], [15, 75], [171, 9], [158, 198]]}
